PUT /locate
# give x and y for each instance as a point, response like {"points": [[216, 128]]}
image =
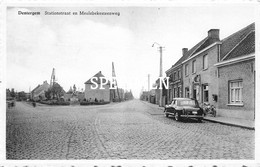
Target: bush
{"points": [[93, 103], [55, 102]]}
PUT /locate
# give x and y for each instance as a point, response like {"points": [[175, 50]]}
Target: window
{"points": [[205, 62], [174, 76], [194, 66], [205, 93], [235, 92], [187, 92], [179, 91], [174, 92], [179, 74], [186, 69], [187, 103]]}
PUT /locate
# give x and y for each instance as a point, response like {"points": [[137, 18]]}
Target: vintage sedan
{"points": [[184, 108]]}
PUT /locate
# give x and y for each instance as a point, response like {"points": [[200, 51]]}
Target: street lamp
{"points": [[160, 75]]}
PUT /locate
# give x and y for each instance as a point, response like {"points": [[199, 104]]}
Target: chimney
{"points": [[184, 51], [213, 33]]}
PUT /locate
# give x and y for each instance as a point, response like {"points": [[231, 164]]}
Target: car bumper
{"points": [[191, 116]]}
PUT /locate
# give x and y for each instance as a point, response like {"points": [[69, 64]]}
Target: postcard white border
{"points": [[122, 3]]}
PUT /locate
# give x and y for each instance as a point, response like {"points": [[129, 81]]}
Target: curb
{"points": [[230, 124]]}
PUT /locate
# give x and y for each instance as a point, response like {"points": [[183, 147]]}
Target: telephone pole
{"points": [[114, 75], [160, 73], [148, 82], [52, 78]]}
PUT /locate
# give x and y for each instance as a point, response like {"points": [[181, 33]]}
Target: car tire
{"points": [[177, 116], [166, 115], [199, 119]]}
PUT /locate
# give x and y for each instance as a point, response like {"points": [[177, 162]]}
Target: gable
{"points": [[98, 81]]}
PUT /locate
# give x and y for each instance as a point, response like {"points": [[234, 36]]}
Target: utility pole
{"points": [[114, 75], [160, 73], [148, 82], [160, 50], [52, 77], [149, 87], [30, 95]]}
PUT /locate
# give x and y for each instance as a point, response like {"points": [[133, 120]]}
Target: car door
{"points": [[172, 105]]}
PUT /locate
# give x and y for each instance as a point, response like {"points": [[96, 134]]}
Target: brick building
{"points": [[221, 73], [99, 94], [199, 72], [236, 75], [175, 78]]}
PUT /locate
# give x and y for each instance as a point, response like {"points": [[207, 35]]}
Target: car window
{"points": [[187, 103], [173, 102]]}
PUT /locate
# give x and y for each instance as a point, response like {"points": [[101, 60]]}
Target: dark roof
{"points": [[231, 41], [205, 44], [40, 88], [98, 81], [190, 52], [245, 47], [36, 88]]}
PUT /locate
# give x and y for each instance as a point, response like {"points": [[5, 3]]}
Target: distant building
{"points": [[38, 93], [152, 98], [98, 94], [236, 75], [145, 96], [128, 95]]}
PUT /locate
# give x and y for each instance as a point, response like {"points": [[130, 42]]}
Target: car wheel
{"points": [[199, 119], [177, 116], [166, 115]]}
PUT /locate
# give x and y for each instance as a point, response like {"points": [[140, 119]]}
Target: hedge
{"points": [[63, 103], [93, 103]]}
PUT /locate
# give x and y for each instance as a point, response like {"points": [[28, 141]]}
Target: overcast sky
{"points": [[80, 46]]}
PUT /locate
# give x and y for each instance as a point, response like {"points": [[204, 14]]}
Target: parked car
{"points": [[184, 108]]}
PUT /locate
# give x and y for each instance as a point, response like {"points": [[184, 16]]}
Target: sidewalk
{"points": [[222, 120], [232, 121]]}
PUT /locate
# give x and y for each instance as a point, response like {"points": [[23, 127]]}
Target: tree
{"points": [[21, 95], [8, 93], [12, 93], [48, 94], [54, 92], [70, 91]]}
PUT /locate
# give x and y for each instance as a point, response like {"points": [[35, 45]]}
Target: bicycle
{"points": [[209, 109]]}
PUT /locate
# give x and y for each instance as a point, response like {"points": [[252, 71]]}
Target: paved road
{"points": [[128, 130]]}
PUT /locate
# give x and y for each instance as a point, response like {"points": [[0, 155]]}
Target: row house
{"points": [[236, 75], [175, 78], [193, 71], [200, 74], [219, 72]]}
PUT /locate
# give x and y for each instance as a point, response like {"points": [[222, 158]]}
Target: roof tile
{"points": [[245, 47], [231, 41]]}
